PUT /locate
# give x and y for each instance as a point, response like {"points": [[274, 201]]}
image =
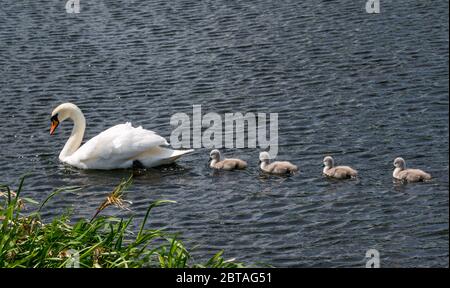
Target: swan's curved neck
{"points": [[76, 137]]}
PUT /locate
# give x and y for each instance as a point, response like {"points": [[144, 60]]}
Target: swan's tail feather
{"points": [[178, 153], [161, 156]]}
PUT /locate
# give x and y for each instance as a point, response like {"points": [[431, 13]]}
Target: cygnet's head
{"points": [[399, 162], [264, 157], [328, 162], [214, 155]]}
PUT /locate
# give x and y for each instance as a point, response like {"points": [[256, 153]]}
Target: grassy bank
{"points": [[108, 242]]}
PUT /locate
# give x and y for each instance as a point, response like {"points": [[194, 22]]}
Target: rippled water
{"points": [[365, 88]]}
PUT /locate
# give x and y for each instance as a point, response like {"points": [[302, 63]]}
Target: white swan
{"points": [[338, 172], [121, 146], [277, 167], [408, 175], [225, 164]]}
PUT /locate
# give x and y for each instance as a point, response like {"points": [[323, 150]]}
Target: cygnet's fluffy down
{"points": [[408, 175], [277, 167], [337, 172], [225, 164]]}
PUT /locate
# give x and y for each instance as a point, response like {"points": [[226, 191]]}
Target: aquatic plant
{"points": [[26, 241]]}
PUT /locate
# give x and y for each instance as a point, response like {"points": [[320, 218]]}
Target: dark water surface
{"points": [[364, 88]]}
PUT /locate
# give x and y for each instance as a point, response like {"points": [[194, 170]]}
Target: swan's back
{"points": [[282, 167], [414, 175], [342, 172], [118, 147], [231, 164]]}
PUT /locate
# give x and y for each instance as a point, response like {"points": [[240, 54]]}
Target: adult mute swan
{"points": [[408, 175], [225, 164], [338, 172], [121, 146]]}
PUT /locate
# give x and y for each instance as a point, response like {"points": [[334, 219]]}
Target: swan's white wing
{"points": [[117, 144]]}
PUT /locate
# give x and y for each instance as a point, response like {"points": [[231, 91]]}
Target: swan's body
{"points": [[338, 172], [408, 175], [225, 164], [277, 167], [120, 146]]}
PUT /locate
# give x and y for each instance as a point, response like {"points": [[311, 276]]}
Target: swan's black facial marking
{"points": [[54, 123]]}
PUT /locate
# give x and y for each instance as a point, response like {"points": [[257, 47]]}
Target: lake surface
{"points": [[364, 88]]}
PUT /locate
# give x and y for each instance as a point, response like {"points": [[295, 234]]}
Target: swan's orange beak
{"points": [[53, 126]]}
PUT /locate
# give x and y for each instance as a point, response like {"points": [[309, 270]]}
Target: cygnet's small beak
{"points": [[209, 160]]}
